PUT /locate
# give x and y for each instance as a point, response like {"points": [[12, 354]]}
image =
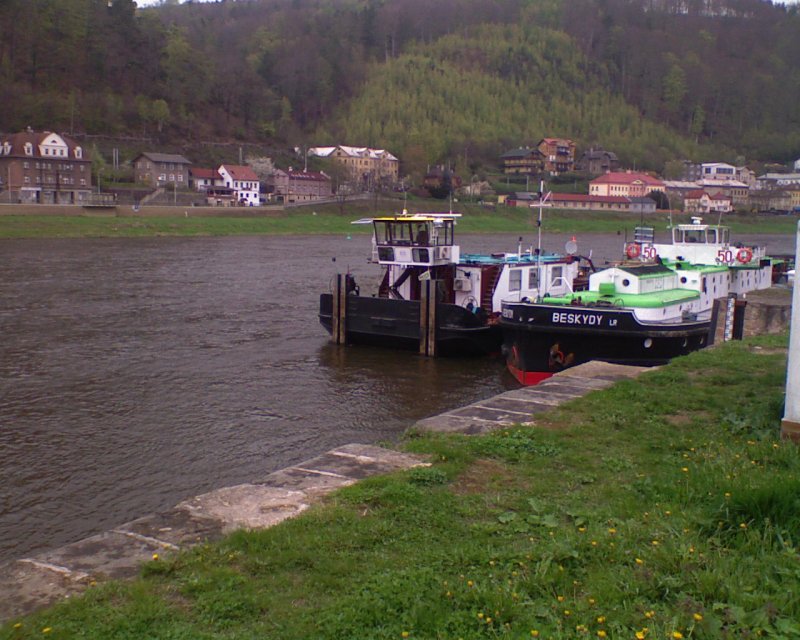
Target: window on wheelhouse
{"points": [[533, 278], [515, 279], [557, 276]]}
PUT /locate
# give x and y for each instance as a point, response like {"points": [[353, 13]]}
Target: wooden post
{"points": [[790, 425], [339, 312], [427, 318]]}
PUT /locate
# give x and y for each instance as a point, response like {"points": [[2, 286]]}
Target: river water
{"points": [[135, 373]]}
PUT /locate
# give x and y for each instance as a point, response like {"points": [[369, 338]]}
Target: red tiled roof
{"points": [[695, 194], [239, 172], [203, 172], [624, 177]]}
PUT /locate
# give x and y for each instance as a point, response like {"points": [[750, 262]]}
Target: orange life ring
{"points": [[633, 250], [744, 255]]}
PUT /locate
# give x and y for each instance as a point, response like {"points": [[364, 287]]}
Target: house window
{"points": [[26, 165], [180, 177], [78, 153], [28, 149], [27, 180], [83, 182], [162, 177]]}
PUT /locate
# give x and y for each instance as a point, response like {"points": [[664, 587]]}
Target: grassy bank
{"points": [[664, 507], [332, 219]]}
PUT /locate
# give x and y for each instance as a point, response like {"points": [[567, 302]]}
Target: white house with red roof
{"points": [[625, 183], [244, 182], [701, 201], [203, 178]]}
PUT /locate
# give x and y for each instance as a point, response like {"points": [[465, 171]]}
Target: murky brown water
{"points": [[137, 373]]}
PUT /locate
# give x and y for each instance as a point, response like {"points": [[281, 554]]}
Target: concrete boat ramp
{"points": [[40, 580]]}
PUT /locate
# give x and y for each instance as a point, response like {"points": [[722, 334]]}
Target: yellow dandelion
{"points": [[727, 494], [649, 614], [470, 583], [560, 598], [448, 595], [655, 543], [677, 635], [405, 634], [594, 543], [698, 617], [685, 469], [480, 614], [601, 619], [582, 529], [18, 625], [639, 561], [567, 612], [155, 556], [534, 633], [668, 513], [691, 549], [601, 634], [612, 531], [591, 601], [47, 630], [488, 621], [743, 525], [640, 635]]}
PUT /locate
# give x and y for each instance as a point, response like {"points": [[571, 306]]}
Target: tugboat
{"points": [[656, 305], [434, 298]]}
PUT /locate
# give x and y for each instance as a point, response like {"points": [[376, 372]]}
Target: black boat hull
{"points": [[395, 324], [541, 340]]}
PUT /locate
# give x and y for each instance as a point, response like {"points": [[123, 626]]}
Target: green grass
{"points": [[331, 219], [665, 505]]}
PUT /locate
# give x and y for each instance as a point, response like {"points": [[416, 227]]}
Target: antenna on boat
{"points": [[542, 198]]}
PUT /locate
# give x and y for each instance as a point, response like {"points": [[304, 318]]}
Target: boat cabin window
{"points": [[515, 279], [556, 276], [711, 235], [689, 235], [418, 233], [533, 278]]}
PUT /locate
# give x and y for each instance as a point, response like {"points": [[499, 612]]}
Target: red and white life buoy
{"points": [[744, 255], [633, 250]]}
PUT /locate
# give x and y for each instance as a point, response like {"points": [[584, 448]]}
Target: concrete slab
{"points": [[448, 423], [175, 528], [108, 555], [312, 483], [247, 506], [26, 586], [522, 406], [489, 414], [387, 457], [603, 370], [532, 394]]}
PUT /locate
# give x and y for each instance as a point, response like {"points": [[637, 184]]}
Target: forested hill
{"points": [[447, 81]]}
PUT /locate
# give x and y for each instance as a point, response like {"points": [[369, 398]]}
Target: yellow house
{"points": [[368, 167]]}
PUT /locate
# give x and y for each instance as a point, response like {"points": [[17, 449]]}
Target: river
{"points": [[135, 373]]}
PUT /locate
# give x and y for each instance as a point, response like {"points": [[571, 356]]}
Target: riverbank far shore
{"points": [[43, 221], [660, 506]]}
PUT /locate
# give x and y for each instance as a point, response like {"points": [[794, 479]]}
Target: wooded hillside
{"points": [[455, 81]]}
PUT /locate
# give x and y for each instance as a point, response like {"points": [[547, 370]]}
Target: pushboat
{"points": [[433, 298], [650, 308]]}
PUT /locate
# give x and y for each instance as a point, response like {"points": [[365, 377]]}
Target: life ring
{"points": [[744, 255], [633, 250]]}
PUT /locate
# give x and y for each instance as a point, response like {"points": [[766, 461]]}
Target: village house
{"points": [[202, 179], [597, 161], [584, 202], [161, 169], [522, 161], [300, 186], [738, 192], [369, 168], [45, 168], [625, 183], [244, 182], [701, 201], [558, 155]]}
